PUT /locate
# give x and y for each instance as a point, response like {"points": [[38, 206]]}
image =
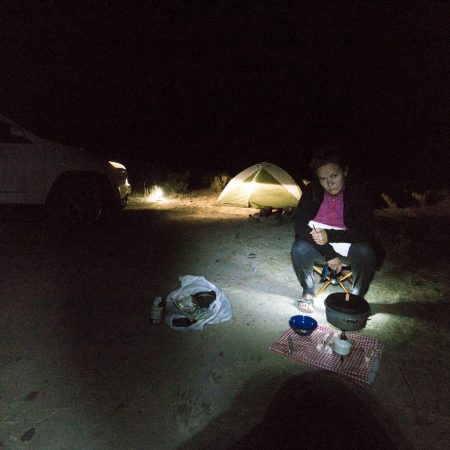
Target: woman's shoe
{"points": [[306, 305]]}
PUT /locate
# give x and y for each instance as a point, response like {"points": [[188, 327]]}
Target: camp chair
{"points": [[329, 276]]}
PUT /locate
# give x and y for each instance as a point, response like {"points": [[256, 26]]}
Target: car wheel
{"points": [[124, 202], [77, 201]]}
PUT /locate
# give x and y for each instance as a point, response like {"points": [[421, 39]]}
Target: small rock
{"points": [[31, 396], [28, 434]]}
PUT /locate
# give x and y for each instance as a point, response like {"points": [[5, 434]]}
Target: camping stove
{"points": [[342, 346]]}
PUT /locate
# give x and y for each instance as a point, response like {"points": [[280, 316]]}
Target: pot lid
{"points": [[347, 303]]}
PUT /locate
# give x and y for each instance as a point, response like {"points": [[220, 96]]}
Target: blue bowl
{"points": [[303, 325]]}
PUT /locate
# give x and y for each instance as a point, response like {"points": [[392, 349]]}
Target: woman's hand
{"points": [[319, 236], [335, 264]]}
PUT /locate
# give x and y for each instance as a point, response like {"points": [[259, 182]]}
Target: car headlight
{"points": [[117, 165]]}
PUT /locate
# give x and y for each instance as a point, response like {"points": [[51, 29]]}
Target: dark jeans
{"points": [[361, 257]]}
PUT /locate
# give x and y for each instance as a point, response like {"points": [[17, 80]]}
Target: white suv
{"points": [[75, 185]]}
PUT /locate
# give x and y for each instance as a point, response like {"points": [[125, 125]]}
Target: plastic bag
{"points": [[181, 317]]}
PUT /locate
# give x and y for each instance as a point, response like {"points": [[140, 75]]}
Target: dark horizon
{"points": [[222, 86]]}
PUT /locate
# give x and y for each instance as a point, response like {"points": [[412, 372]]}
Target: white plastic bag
{"points": [[218, 311]]}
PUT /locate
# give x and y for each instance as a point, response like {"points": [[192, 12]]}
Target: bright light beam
{"points": [[156, 194]]}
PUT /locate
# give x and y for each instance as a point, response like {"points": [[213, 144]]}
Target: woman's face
{"points": [[331, 177]]}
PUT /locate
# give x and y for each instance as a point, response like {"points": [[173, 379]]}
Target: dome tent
{"points": [[261, 185]]}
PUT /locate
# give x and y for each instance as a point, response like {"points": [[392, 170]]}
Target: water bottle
{"points": [[157, 310]]}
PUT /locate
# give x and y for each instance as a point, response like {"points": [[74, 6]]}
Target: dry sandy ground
{"points": [[83, 368]]}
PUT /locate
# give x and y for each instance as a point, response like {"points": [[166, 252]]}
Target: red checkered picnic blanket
{"points": [[316, 350]]}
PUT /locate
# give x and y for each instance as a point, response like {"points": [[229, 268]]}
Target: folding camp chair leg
{"points": [[323, 287], [317, 270], [343, 288], [346, 277]]}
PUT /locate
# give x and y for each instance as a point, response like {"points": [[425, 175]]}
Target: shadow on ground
{"points": [[315, 410], [437, 314]]}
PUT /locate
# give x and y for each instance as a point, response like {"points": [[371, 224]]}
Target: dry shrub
{"points": [[420, 198], [405, 199], [429, 197], [188, 409], [388, 201], [176, 183], [219, 182]]}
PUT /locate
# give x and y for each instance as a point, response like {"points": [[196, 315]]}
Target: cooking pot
{"points": [[347, 312]]}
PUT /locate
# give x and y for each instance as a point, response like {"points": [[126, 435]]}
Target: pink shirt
{"points": [[331, 211]]}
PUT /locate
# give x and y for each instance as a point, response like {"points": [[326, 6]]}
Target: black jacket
{"points": [[358, 217]]}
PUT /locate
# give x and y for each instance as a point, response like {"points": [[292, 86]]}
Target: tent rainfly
{"points": [[261, 185]]}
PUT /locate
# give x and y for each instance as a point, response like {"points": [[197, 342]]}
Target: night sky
{"points": [[220, 85]]}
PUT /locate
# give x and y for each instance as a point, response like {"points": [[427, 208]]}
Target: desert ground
{"points": [[82, 367]]}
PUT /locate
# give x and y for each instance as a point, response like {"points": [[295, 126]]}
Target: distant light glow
{"points": [[154, 194]]}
